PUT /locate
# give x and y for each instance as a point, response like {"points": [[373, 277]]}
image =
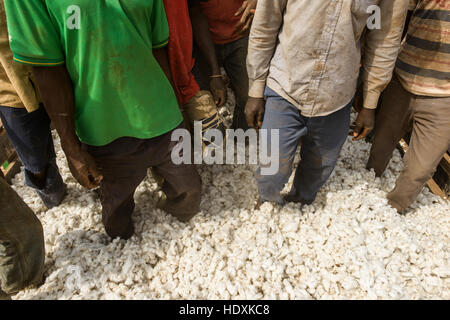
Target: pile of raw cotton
{"points": [[349, 244]]}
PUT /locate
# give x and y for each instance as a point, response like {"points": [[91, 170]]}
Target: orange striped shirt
{"points": [[423, 65]]}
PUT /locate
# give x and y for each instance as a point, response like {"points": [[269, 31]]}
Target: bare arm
{"points": [[203, 39], [56, 90]]}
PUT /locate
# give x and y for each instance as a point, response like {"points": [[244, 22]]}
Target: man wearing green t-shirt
{"points": [[101, 67]]}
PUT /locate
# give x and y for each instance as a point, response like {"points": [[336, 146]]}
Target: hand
{"points": [[364, 124], [254, 112], [247, 11], [83, 168], [219, 91]]}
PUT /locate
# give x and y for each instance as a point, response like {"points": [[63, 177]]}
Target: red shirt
{"points": [[180, 49], [221, 19]]}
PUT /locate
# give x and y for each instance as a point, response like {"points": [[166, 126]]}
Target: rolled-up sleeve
{"points": [[381, 50], [263, 39]]}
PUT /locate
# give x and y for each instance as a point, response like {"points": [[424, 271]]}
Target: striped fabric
{"points": [[423, 66]]}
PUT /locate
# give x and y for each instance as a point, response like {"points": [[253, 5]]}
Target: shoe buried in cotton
{"points": [[292, 198], [173, 209], [54, 189], [52, 195]]}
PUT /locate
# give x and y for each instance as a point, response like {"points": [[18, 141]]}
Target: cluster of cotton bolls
{"points": [[349, 244]]}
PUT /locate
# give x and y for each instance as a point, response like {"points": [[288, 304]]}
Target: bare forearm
{"points": [[203, 39], [56, 90]]}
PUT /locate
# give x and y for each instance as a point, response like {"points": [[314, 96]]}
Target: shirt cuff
{"points": [[371, 99], [38, 62], [257, 88], [160, 45]]}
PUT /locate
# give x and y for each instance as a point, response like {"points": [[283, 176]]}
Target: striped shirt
{"points": [[423, 65]]}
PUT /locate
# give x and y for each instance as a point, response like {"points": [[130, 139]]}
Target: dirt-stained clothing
{"points": [[22, 250], [309, 52]]}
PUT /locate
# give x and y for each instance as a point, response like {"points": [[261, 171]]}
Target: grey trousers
{"points": [[22, 250]]}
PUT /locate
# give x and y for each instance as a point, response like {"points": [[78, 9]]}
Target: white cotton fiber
{"points": [[349, 244]]}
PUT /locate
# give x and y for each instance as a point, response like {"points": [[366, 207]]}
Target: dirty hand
{"points": [[247, 11], [218, 90], [83, 168], [364, 124], [254, 112]]}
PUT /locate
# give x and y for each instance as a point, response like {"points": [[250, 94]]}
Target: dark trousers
{"points": [[233, 57], [22, 250], [429, 120], [323, 138], [30, 135], [124, 165]]}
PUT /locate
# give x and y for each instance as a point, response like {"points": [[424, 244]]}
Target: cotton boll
{"points": [[348, 244]]}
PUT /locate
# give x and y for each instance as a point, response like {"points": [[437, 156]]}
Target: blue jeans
{"points": [[323, 138], [30, 135]]}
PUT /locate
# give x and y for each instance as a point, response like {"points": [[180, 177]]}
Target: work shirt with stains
{"points": [[309, 52], [423, 65], [17, 89], [107, 46]]}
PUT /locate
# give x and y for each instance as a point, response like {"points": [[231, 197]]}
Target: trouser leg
{"points": [[22, 250], [123, 165], [285, 117], [182, 183], [31, 137], [234, 56], [319, 153], [392, 123], [430, 139]]}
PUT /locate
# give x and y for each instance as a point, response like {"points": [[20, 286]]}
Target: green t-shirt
{"points": [[120, 89]]}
